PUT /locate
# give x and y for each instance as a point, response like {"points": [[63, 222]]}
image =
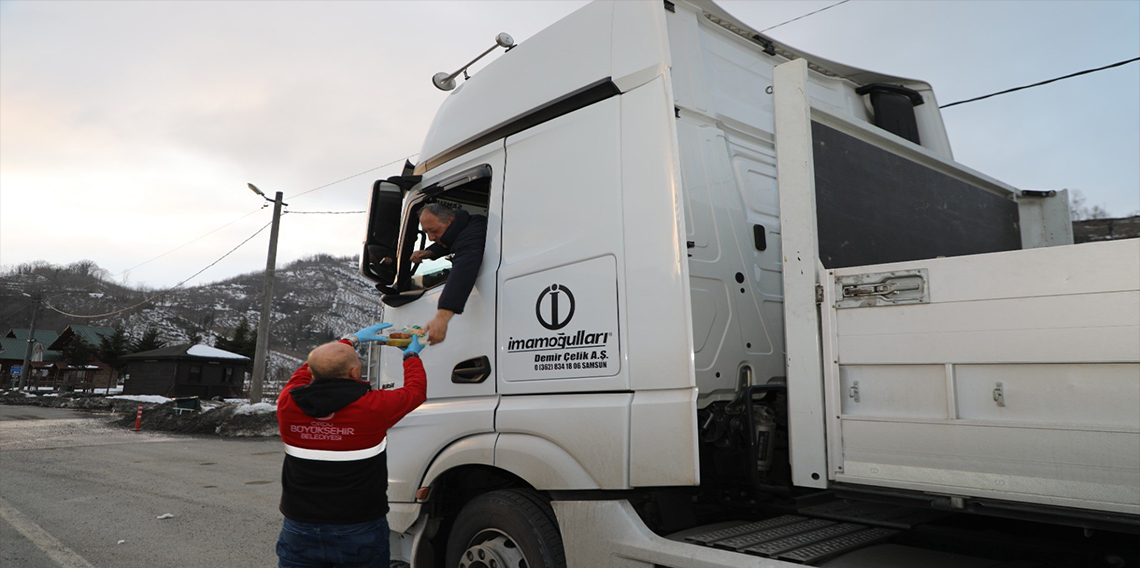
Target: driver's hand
{"points": [[421, 255]]}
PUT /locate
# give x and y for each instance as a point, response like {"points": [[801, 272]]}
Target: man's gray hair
{"points": [[441, 211]]}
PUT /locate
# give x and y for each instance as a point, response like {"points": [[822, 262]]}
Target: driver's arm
{"points": [[424, 254]]}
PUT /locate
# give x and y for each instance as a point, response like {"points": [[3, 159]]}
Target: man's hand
{"points": [[372, 333], [436, 329], [414, 347], [422, 255]]}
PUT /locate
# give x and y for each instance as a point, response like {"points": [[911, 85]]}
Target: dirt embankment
{"points": [[214, 418]]}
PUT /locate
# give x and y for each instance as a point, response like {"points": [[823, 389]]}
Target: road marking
{"points": [[55, 549]]}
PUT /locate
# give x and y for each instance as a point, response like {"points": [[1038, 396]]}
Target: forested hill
{"points": [[315, 299]]}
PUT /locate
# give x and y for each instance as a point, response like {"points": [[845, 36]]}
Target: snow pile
{"points": [[159, 413], [212, 352], [152, 398], [259, 408]]}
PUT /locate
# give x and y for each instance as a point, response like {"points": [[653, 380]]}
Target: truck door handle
{"points": [[472, 371]]}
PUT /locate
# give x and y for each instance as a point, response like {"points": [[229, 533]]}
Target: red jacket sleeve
{"points": [[396, 403]]}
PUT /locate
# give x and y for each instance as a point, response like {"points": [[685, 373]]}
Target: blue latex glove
{"points": [[371, 333], [414, 347]]}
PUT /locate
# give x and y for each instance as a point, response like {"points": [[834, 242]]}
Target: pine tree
{"points": [[149, 341], [241, 333], [244, 341], [112, 347], [250, 348], [78, 352]]}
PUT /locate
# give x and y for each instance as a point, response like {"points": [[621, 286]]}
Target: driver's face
{"points": [[432, 226]]}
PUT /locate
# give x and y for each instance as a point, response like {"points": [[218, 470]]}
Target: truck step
{"points": [[754, 538], [836, 546], [792, 538], [878, 514], [713, 536]]}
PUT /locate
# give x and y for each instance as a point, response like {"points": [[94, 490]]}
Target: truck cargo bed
{"points": [[1010, 375]]}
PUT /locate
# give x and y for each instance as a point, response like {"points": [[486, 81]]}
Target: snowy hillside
{"points": [[315, 300]]}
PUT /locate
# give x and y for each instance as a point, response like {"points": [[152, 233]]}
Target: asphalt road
{"points": [[75, 492]]}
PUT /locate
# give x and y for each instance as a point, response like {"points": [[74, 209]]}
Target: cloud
{"points": [[130, 128]]}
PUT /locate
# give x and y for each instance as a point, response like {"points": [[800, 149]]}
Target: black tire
{"points": [[505, 529]]}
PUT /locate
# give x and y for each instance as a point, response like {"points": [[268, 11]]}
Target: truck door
{"points": [[461, 393]]}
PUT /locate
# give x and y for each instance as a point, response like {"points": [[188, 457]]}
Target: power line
{"points": [[1085, 72], [14, 312], [354, 175], [164, 292], [189, 242], [805, 15], [324, 212], [259, 209]]}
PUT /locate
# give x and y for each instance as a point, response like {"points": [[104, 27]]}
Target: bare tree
{"points": [[1079, 209]]}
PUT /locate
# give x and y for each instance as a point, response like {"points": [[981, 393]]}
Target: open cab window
{"points": [[394, 230]]}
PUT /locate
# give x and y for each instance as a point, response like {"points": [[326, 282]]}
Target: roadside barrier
{"points": [[138, 418]]}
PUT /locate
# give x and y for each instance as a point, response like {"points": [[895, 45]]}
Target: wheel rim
{"points": [[493, 549]]}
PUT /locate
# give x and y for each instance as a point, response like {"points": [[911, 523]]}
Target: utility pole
{"points": [[25, 371], [261, 355]]}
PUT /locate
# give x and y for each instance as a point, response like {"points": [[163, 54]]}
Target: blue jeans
{"points": [[313, 545]]}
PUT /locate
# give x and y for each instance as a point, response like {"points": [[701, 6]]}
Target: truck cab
{"points": [[726, 281]]}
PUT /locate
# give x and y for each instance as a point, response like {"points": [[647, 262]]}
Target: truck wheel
{"points": [[505, 529]]}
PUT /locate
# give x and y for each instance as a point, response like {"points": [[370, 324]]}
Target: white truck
{"points": [[740, 307]]}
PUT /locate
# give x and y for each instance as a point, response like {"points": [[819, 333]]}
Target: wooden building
{"points": [[96, 374], [186, 370], [13, 347]]}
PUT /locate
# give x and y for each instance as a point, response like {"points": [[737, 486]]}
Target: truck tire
{"points": [[505, 529]]}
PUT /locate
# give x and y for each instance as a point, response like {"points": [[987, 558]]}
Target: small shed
{"points": [[186, 370]]}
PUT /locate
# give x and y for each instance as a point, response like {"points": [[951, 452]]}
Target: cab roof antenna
{"points": [[446, 82]]}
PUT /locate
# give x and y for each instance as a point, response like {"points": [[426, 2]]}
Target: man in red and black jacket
{"points": [[334, 481]]}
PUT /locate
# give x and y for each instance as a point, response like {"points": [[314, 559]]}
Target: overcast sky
{"points": [[128, 129]]}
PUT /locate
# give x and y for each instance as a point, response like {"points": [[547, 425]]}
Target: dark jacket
{"points": [[466, 238], [335, 434]]}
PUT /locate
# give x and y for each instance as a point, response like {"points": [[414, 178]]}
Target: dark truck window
{"points": [[873, 207]]}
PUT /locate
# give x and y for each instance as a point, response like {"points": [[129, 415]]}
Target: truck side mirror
{"points": [[378, 260]]}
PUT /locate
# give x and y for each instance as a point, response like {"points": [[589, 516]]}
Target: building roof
{"points": [[45, 336], [185, 351], [90, 334], [12, 349]]}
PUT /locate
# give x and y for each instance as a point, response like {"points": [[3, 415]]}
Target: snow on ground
{"points": [[259, 408], [214, 352], [143, 398]]}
